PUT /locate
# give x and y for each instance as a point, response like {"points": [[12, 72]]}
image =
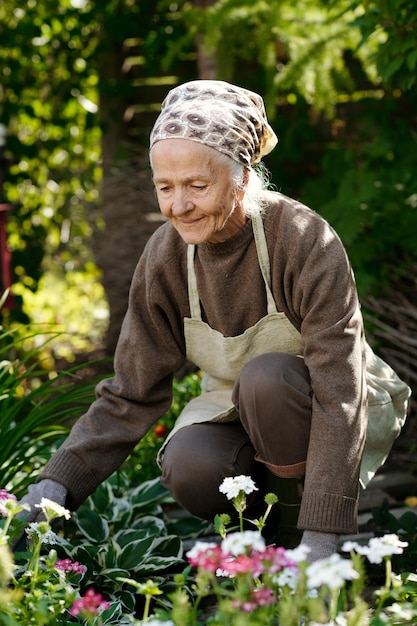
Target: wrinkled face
{"points": [[195, 191]]}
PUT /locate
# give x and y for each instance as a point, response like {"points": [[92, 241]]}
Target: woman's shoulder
{"points": [[279, 207], [292, 225], [292, 216]]}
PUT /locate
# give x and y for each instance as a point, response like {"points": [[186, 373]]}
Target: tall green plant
{"points": [[37, 406]]}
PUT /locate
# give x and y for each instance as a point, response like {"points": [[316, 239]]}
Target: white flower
{"points": [[287, 577], [351, 546], [45, 534], [198, 547], [233, 485], [378, 547], [222, 573], [332, 572], [237, 543], [52, 509], [404, 611], [412, 200], [298, 554]]}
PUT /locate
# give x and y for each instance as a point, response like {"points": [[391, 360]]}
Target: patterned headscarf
{"points": [[225, 117]]}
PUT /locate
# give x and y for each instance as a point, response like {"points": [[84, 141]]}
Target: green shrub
{"points": [[37, 405], [123, 532]]}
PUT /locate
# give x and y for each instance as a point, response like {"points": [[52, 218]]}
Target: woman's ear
{"points": [[245, 179], [242, 187]]}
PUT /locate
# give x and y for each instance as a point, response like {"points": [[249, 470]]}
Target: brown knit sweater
{"points": [[313, 285]]}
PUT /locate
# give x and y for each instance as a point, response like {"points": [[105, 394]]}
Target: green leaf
{"points": [[411, 59], [113, 574], [93, 526], [153, 525], [124, 537], [408, 521], [157, 564], [134, 553], [147, 493], [109, 615], [168, 546], [102, 498], [188, 527], [128, 599], [110, 554], [392, 67], [408, 577], [85, 555]]}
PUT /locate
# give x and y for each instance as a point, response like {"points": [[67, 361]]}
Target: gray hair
{"points": [[259, 181]]}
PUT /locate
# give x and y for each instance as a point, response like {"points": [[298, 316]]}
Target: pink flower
{"points": [[243, 564], [257, 597], [246, 607], [90, 604], [263, 597], [5, 497], [276, 559], [206, 555], [70, 566]]}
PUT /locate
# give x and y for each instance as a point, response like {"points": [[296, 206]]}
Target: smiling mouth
{"points": [[189, 222]]}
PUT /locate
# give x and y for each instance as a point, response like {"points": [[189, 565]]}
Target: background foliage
{"points": [[338, 77]]}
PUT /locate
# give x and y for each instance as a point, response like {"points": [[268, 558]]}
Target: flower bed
{"points": [[248, 582]]}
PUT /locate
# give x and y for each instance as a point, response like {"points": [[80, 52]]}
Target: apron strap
{"points": [[193, 298], [263, 257]]}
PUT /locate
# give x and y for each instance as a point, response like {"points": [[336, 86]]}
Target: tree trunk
{"points": [[129, 209], [206, 61]]}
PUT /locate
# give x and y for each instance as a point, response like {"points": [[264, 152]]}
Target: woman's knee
{"points": [[196, 461], [273, 375], [273, 370], [273, 398]]}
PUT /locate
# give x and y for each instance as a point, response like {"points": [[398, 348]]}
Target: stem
{"points": [[147, 607], [260, 523], [267, 512], [385, 590], [34, 563], [195, 606], [6, 525], [388, 572], [334, 596]]}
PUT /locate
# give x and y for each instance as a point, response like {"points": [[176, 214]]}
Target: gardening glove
{"points": [[322, 545], [44, 489]]}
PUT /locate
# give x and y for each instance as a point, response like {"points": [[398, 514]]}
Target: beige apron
{"points": [[221, 359]]}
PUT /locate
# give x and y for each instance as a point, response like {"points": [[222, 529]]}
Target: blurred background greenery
{"points": [[81, 82]]}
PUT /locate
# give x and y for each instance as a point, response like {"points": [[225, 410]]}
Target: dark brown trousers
{"points": [[273, 398]]}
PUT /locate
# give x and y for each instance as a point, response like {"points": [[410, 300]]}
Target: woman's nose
{"points": [[181, 203]]}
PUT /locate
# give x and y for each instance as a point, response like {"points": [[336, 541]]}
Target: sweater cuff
{"points": [[328, 512], [66, 468]]}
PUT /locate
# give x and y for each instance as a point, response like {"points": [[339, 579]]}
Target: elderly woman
{"points": [[256, 290]]}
